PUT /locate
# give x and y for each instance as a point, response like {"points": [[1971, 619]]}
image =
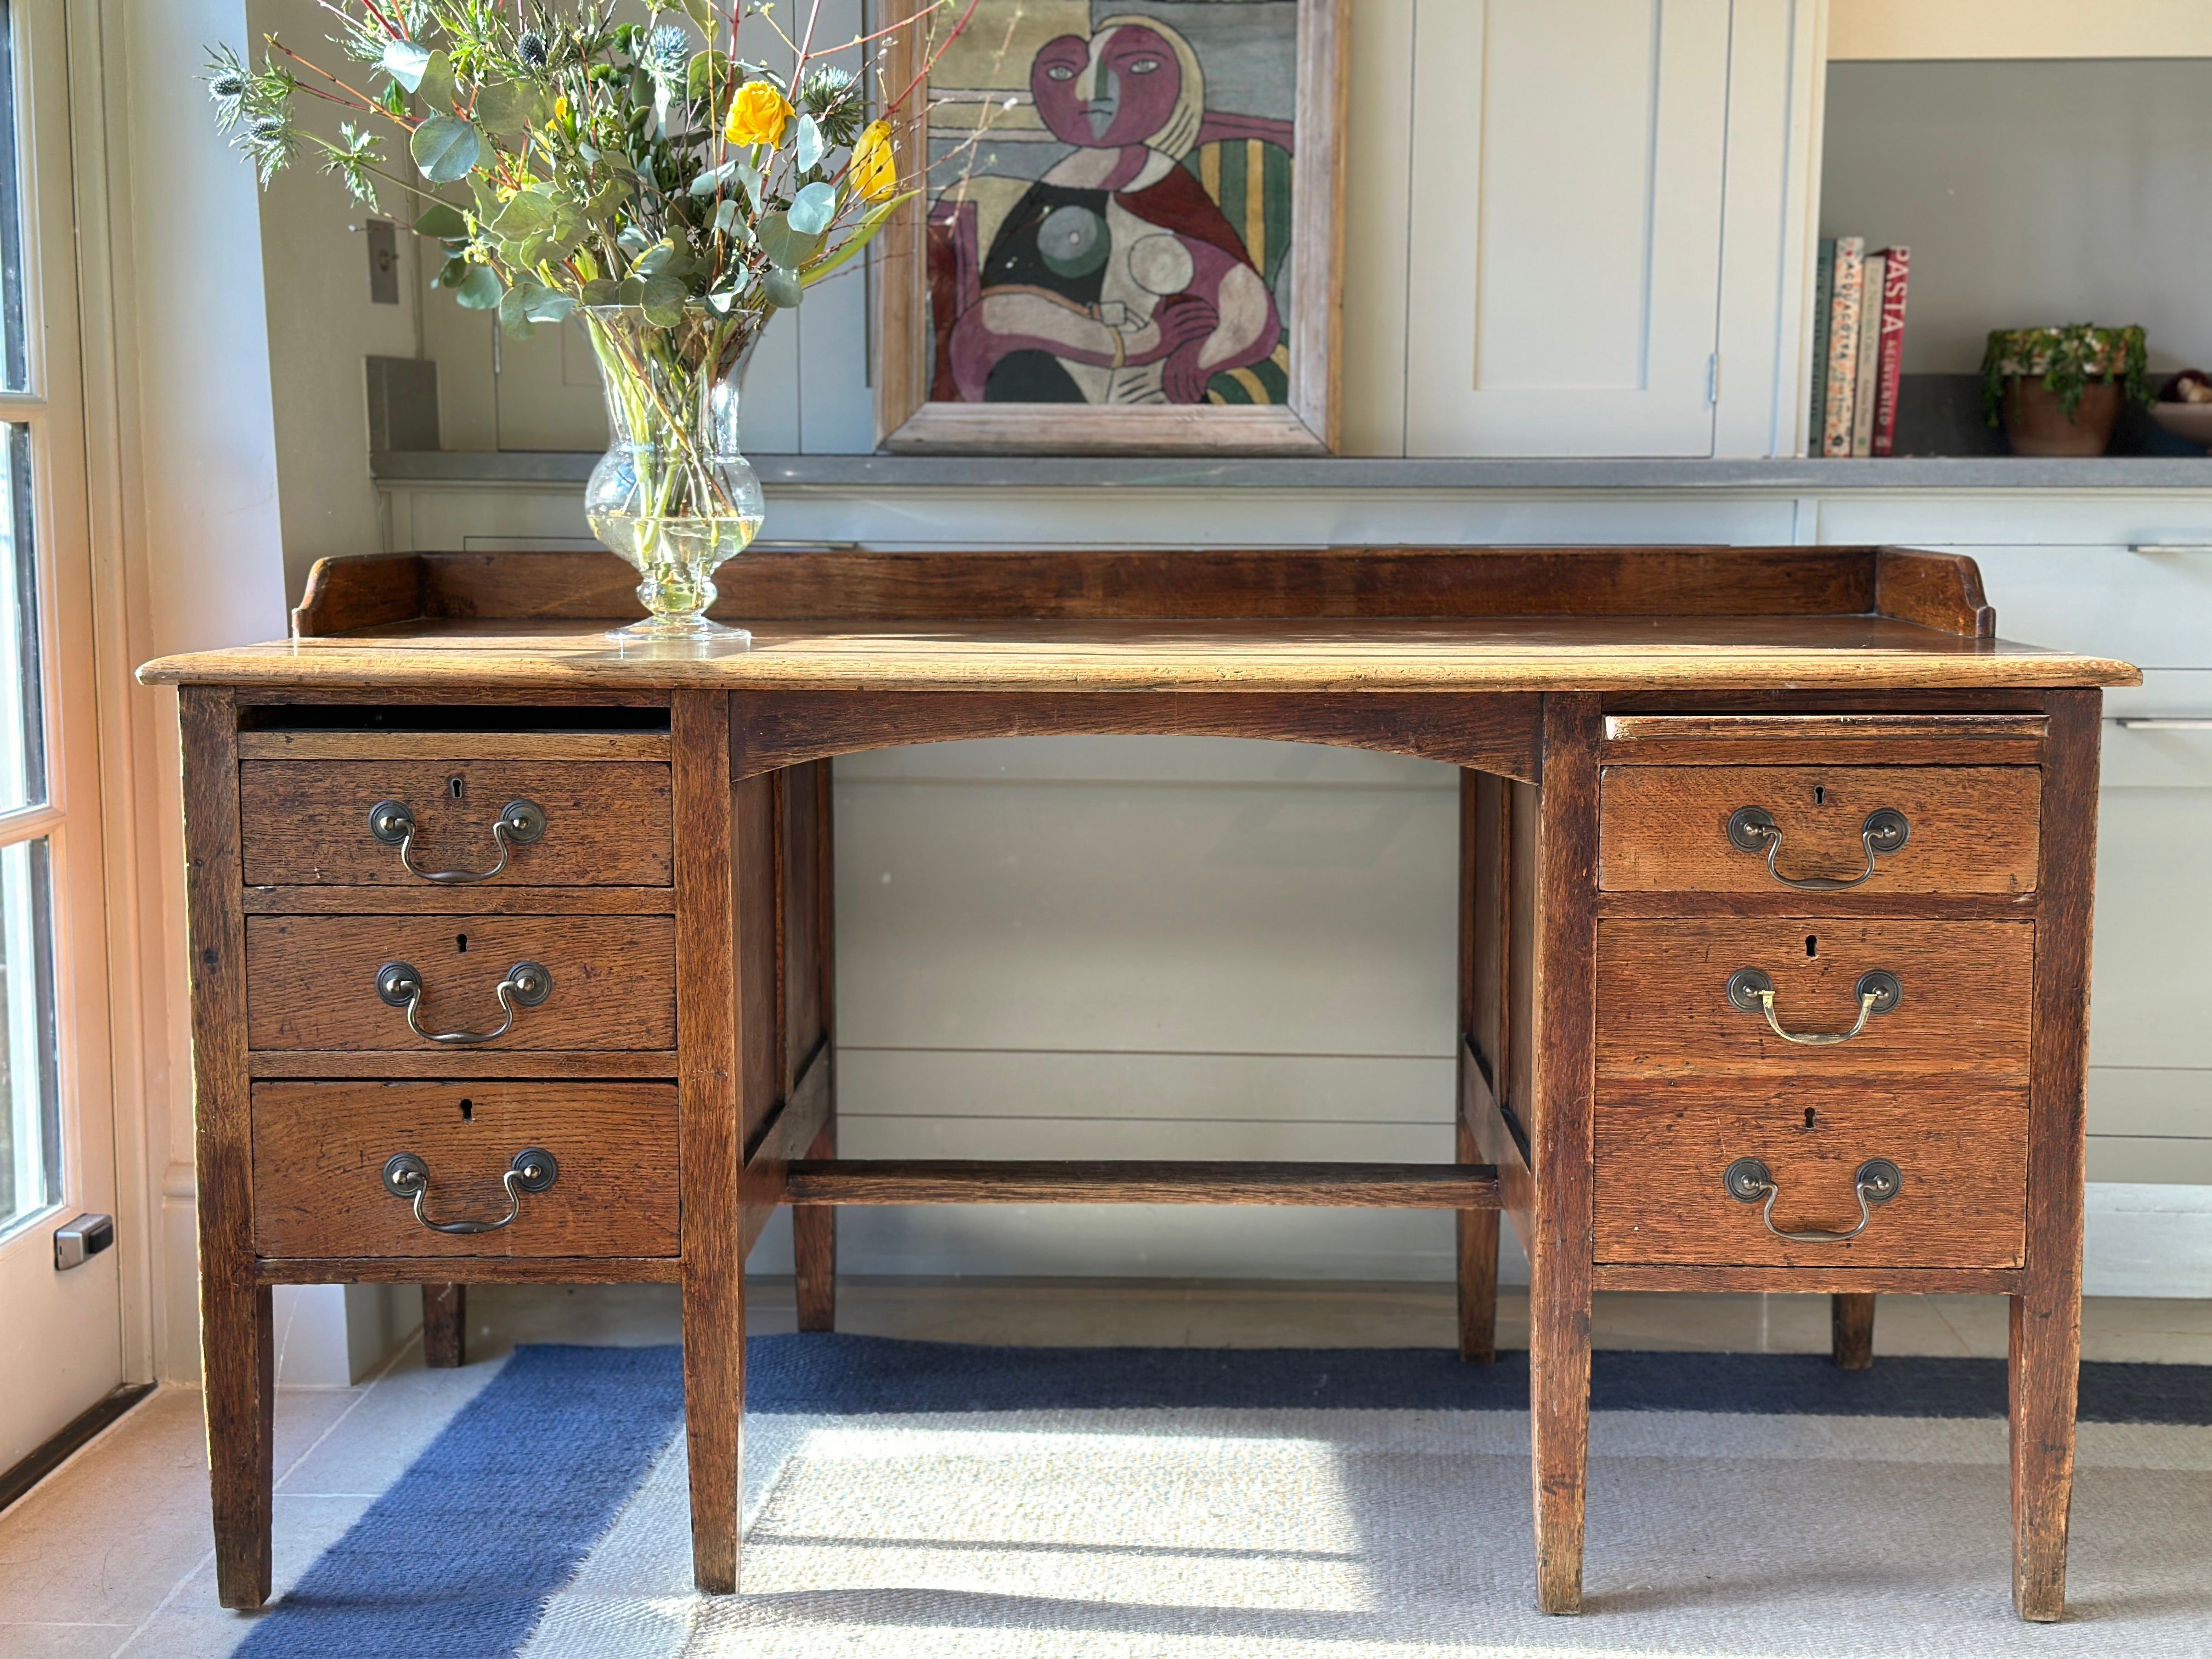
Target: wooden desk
{"points": [[621, 1039]]}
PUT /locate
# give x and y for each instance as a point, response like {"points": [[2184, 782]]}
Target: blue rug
{"points": [[460, 1558]]}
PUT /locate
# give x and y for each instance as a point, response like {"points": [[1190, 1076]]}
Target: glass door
{"points": [[60, 1322]]}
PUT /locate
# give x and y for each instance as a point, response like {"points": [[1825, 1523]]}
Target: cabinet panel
{"points": [[2151, 997], [2148, 609], [1567, 224]]}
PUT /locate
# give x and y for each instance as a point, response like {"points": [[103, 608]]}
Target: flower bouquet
{"points": [[642, 176]]}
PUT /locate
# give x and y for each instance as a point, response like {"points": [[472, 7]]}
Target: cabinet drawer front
{"points": [[312, 982], [1663, 1008], [1971, 828], [306, 823], [1661, 1150], [319, 1151]]}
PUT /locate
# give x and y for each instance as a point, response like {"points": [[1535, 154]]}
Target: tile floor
{"points": [[120, 1532]]}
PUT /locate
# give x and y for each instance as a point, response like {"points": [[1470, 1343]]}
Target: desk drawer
{"points": [[1968, 828], [1661, 1152], [312, 982], [320, 1151], [597, 824], [1664, 1007]]}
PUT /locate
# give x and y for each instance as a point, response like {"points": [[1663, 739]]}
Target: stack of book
{"points": [[1858, 347]]}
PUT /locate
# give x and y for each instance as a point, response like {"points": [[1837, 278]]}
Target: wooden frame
{"points": [[908, 422]]}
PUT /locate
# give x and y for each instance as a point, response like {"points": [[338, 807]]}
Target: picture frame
{"points": [[999, 278]]}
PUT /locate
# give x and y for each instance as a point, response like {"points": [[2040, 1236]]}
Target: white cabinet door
{"points": [[1565, 236]]}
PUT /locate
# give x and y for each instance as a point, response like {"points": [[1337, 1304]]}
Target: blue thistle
{"points": [[227, 84], [666, 52], [530, 46]]}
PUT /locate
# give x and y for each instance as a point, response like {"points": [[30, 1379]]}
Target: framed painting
{"points": [[1130, 236]]}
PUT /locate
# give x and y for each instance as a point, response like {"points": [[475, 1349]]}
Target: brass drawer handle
{"points": [[1750, 828], [533, 1170], [1752, 989], [526, 985], [1877, 1182], [519, 823]]}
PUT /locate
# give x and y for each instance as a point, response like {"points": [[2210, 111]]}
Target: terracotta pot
{"points": [[2035, 421]]}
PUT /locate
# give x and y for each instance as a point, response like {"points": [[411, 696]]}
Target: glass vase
{"points": [[674, 495]]}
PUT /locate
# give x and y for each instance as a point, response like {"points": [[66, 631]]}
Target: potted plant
{"points": [[641, 176], [2057, 390]]}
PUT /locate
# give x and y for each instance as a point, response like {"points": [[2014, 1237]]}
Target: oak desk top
{"points": [[1328, 621]]}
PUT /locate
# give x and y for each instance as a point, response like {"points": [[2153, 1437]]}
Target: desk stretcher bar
{"points": [[959, 1181]]}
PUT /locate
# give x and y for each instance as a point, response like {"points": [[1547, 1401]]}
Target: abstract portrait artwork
{"points": [[1127, 237]]}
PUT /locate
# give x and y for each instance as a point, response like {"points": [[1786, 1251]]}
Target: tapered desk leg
{"points": [[1478, 1268], [2045, 1364], [1477, 1230], [1563, 1054], [1850, 1330], [814, 1250], [712, 985], [713, 1417], [238, 1353], [445, 1326], [2046, 1315]]}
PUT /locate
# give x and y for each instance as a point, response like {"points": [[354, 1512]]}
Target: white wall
{"points": [[2019, 28], [2029, 193], [189, 538], [321, 324]]}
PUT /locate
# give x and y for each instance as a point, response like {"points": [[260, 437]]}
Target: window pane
{"points": [[22, 716], [30, 1113], [14, 366]]}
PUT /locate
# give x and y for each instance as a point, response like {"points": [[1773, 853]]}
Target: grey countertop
{"points": [[1796, 477]]}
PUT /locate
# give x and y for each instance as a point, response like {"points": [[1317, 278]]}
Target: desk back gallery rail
{"points": [[1678, 765]]}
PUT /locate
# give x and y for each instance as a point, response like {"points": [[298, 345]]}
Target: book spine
{"points": [[1824, 295], [1838, 405], [1869, 369], [1897, 266]]}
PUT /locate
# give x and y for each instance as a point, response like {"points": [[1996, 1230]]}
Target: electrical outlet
{"points": [[383, 263]]}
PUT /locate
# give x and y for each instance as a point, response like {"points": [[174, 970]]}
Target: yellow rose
{"points": [[874, 172], [758, 115]]}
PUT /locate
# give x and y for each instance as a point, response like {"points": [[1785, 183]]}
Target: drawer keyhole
{"points": [[469, 1112], [1820, 793], [1808, 1113], [453, 787], [461, 942], [1812, 944]]}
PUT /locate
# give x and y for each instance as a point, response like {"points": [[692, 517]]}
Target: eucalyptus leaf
{"points": [[707, 71], [602, 291], [663, 301], [436, 88], [444, 148], [631, 291], [404, 61], [783, 288], [783, 244], [710, 181], [538, 303], [811, 210], [808, 145], [480, 289], [507, 106], [445, 221], [452, 273], [513, 316], [726, 215], [701, 12], [526, 214], [863, 233]]}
